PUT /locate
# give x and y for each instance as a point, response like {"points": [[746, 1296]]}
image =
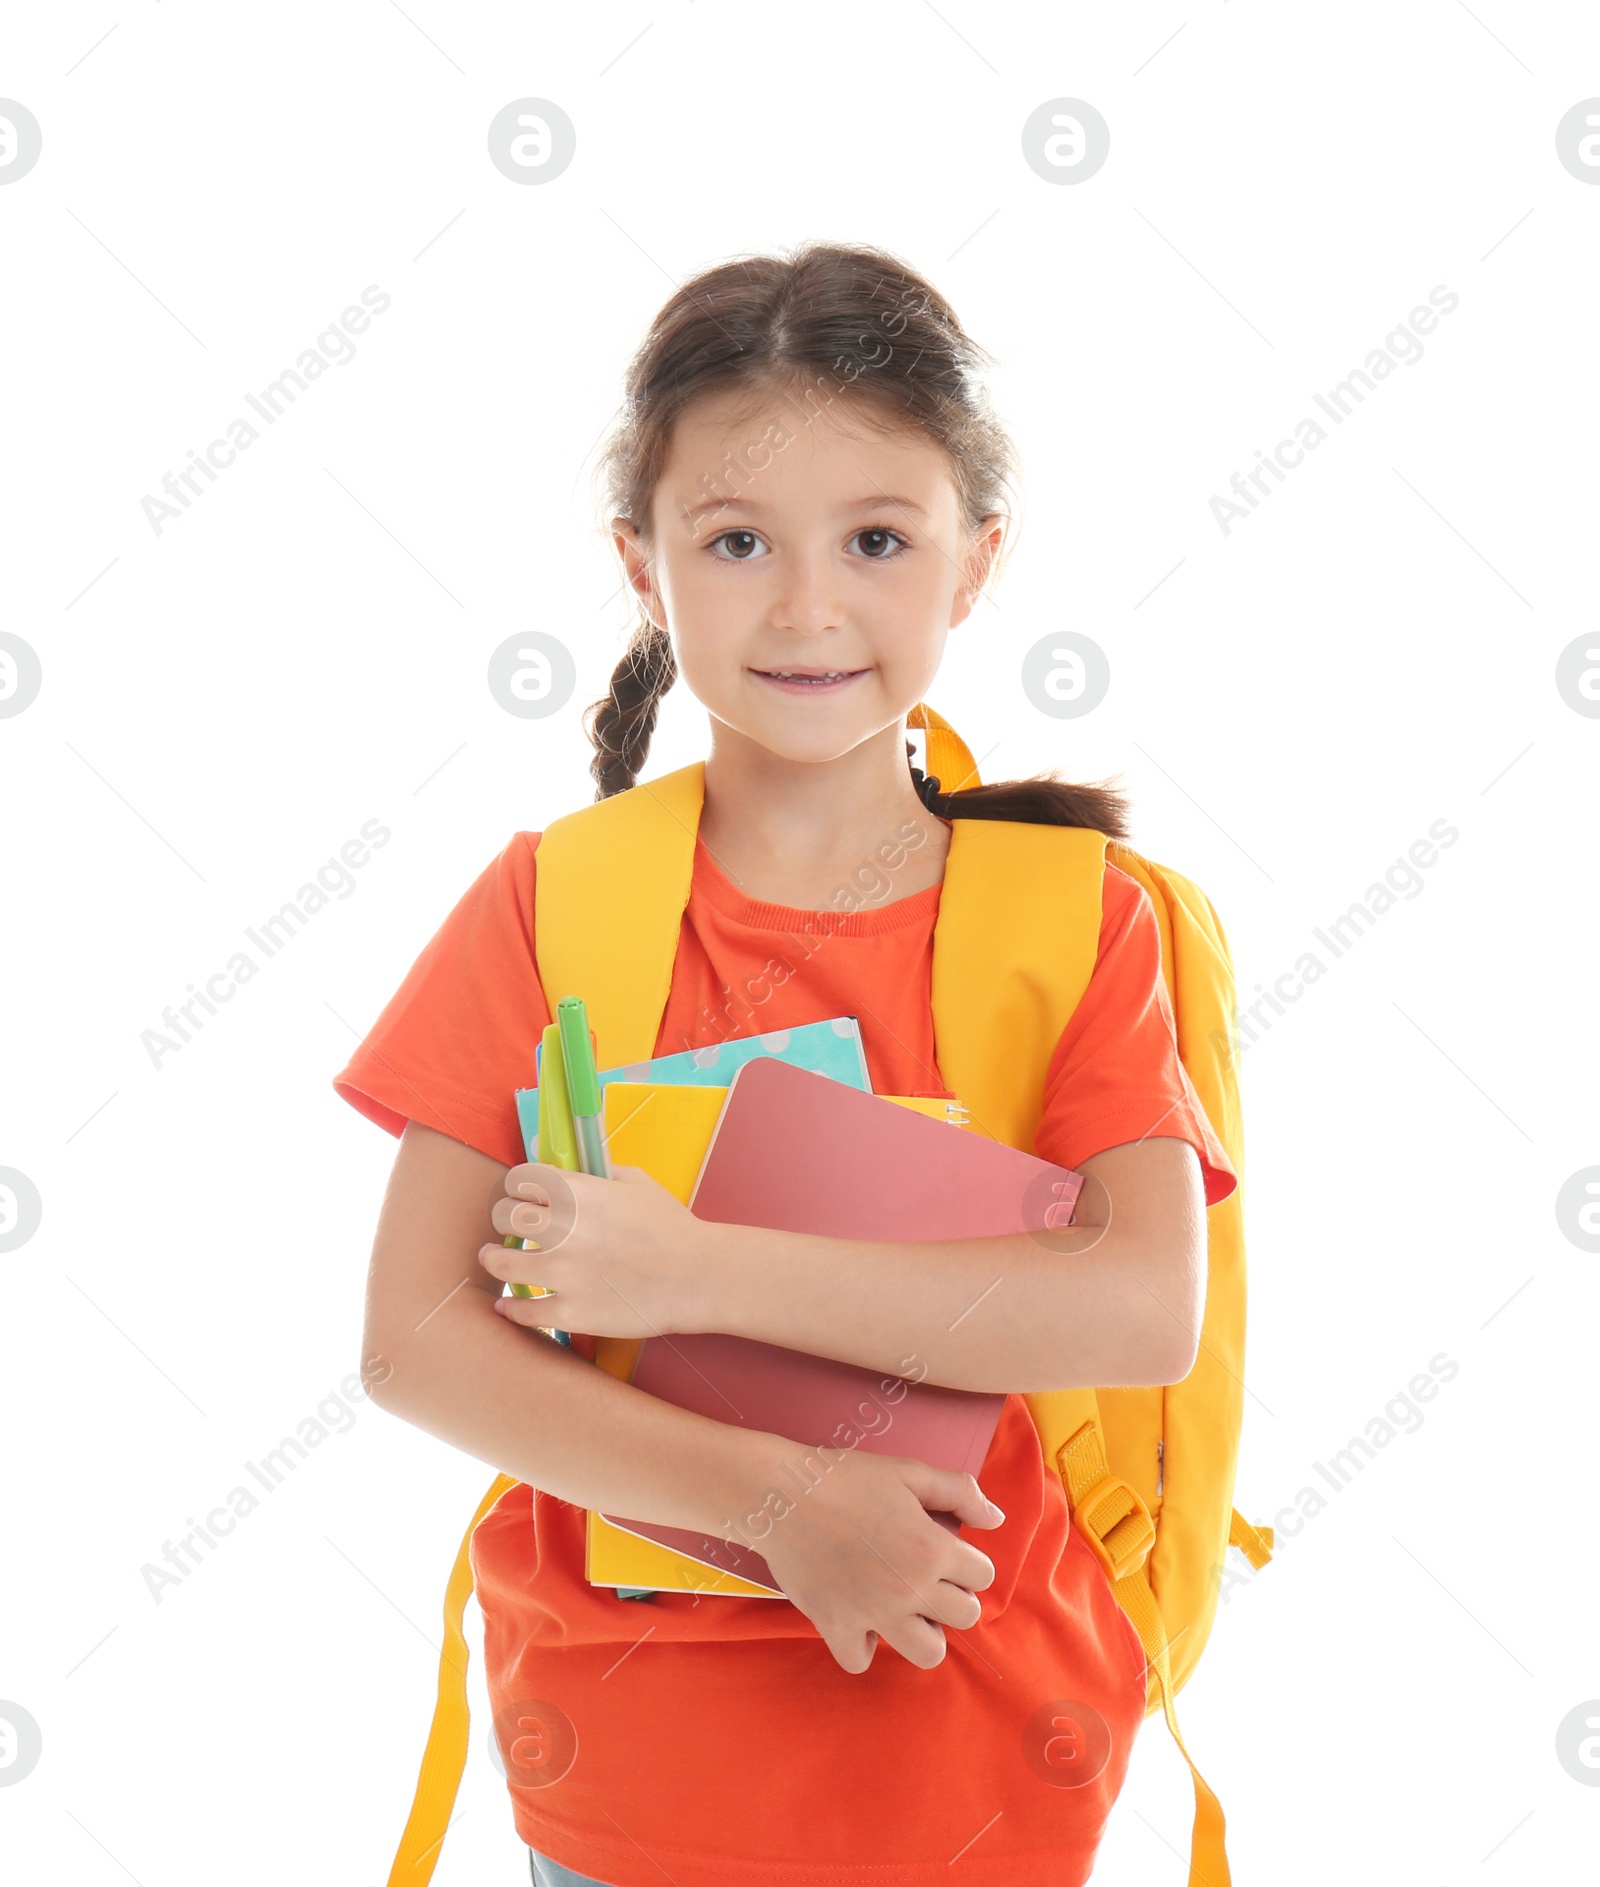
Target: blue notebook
{"points": [[831, 1048]]}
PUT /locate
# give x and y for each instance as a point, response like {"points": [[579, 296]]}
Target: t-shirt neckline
{"points": [[867, 920]]}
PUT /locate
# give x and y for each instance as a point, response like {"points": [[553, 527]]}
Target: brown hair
{"points": [[823, 313]]}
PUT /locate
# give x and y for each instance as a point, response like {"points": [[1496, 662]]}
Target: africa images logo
{"points": [[1402, 346]]}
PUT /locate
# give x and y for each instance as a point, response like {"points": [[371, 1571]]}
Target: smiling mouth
{"points": [[808, 677]]}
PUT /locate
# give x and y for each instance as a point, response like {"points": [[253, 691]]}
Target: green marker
{"points": [[583, 1106], [558, 1144], [583, 1087]]}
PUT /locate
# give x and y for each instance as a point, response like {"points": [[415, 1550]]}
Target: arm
{"points": [[855, 1551], [439, 1357], [1114, 1298]]}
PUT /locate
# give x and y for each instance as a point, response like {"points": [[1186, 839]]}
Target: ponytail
{"points": [[1039, 800]]}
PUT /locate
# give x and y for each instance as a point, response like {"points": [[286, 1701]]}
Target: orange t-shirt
{"points": [[713, 1740]]}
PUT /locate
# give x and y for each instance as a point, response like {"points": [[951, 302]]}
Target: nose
{"points": [[808, 600]]}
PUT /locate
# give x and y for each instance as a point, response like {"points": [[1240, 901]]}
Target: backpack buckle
{"points": [[1115, 1525]]}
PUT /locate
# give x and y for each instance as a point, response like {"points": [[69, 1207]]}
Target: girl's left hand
{"points": [[620, 1257]]}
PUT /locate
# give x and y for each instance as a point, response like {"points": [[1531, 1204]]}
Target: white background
{"points": [[1292, 705]]}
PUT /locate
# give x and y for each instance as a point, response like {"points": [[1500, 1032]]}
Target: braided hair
{"points": [[621, 722]]}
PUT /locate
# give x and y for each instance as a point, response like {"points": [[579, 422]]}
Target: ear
{"points": [[981, 554], [635, 558]]}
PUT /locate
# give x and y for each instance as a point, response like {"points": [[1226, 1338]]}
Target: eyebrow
{"points": [[869, 503]]}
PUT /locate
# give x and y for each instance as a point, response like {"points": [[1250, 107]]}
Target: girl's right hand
{"points": [[861, 1555]]}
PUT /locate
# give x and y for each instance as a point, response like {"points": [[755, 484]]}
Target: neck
{"points": [[796, 831]]}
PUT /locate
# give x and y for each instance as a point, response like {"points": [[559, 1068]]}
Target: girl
{"points": [[807, 498]]}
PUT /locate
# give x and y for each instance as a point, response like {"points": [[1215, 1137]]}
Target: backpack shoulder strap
{"points": [[445, 1755], [611, 882], [1013, 951]]}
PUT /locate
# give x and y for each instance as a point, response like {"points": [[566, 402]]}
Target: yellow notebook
{"points": [[667, 1130]]}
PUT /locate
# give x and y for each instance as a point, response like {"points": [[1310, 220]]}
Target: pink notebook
{"points": [[799, 1152]]}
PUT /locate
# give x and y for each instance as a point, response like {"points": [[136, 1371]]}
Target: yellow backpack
{"points": [[1148, 1472]]}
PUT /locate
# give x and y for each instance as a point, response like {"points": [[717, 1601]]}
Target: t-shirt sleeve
{"points": [[1116, 1075], [458, 1037]]}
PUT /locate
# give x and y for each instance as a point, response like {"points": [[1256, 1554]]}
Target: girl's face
{"points": [[782, 547]]}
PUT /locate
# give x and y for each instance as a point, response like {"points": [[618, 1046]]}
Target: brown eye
{"points": [[745, 538], [880, 535]]}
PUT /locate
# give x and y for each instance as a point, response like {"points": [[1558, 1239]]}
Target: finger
{"points": [[969, 1566], [496, 1260], [540, 1181], [946, 1490], [512, 1266], [919, 1642], [551, 1193], [521, 1218], [527, 1181], [852, 1651], [954, 1605], [945, 1598], [533, 1313]]}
